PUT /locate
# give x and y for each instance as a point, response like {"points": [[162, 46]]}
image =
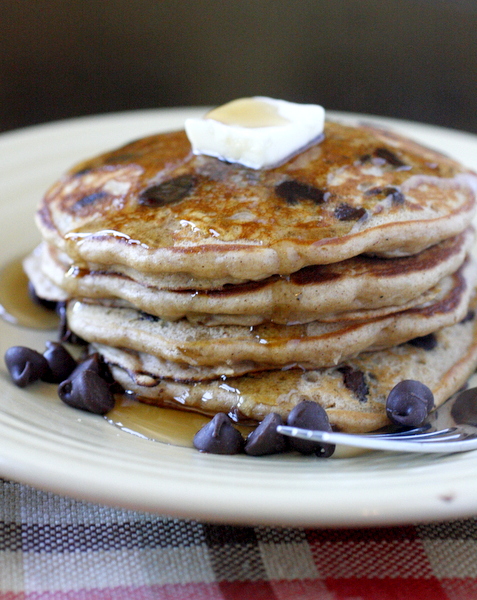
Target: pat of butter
{"points": [[256, 132]]}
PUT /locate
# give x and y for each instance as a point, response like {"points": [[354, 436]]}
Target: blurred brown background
{"points": [[414, 59]]}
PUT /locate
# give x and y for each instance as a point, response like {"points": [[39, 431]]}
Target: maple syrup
{"points": [[248, 112], [156, 423], [167, 425]]}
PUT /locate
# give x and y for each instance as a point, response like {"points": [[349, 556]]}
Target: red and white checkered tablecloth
{"points": [[54, 548]]}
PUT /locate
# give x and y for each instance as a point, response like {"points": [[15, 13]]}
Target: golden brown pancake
{"points": [[353, 393], [358, 288], [237, 349], [154, 206]]}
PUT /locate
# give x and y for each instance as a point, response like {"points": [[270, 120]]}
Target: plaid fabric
{"points": [[60, 549]]}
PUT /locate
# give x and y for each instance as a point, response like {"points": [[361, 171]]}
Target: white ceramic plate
{"points": [[48, 445]]}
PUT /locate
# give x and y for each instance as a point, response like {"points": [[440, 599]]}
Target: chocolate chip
{"points": [[48, 304], [94, 362], [292, 191], [389, 157], [464, 409], [310, 415], [167, 192], [219, 437], [346, 212], [397, 197], [25, 365], [144, 316], [355, 381], [64, 333], [89, 199], [265, 439], [426, 342], [375, 191], [60, 362], [409, 403], [87, 391]]}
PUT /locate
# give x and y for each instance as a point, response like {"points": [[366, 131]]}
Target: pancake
{"points": [[213, 287], [155, 207], [353, 394], [358, 288], [267, 346]]}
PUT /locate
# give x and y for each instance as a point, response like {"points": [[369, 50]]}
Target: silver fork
{"points": [[450, 428]]}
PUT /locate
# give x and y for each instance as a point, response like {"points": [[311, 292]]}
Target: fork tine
{"points": [[401, 433], [439, 434], [434, 445]]}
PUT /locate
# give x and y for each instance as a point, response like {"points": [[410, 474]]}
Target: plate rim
{"points": [[215, 499]]}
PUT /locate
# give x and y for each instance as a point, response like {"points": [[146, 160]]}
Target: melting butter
{"points": [[256, 132], [248, 112]]}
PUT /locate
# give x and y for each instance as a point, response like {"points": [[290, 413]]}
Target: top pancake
{"points": [[154, 206]]}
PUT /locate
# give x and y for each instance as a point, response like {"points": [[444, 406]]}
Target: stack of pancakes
{"points": [[214, 287]]}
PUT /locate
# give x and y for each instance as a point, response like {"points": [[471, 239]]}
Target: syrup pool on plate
{"points": [[167, 425]]}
